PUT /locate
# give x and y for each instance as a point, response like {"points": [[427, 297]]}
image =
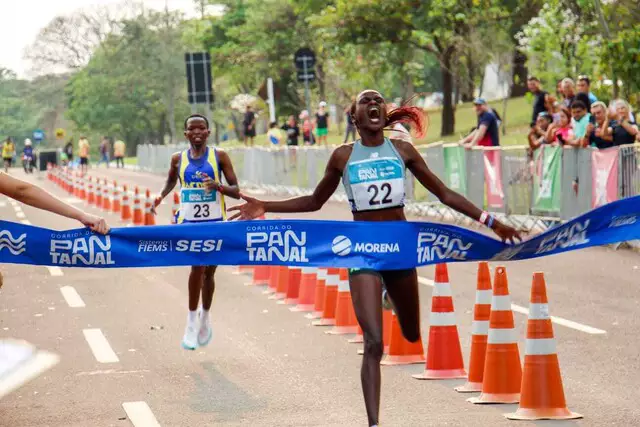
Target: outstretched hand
{"points": [[95, 223], [506, 233], [253, 208]]}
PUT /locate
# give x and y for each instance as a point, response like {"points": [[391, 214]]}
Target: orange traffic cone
{"points": [[116, 207], [387, 320], [345, 321], [82, 194], [293, 290], [318, 298], [358, 338], [138, 215], [125, 212], [273, 279], [502, 369], [76, 187], [98, 194], [307, 291], [282, 283], [542, 392], [260, 275], [175, 207], [106, 197], [330, 298], [444, 357], [401, 351], [479, 330], [149, 217], [91, 197]]}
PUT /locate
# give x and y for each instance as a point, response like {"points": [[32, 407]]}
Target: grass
{"points": [[517, 118]]}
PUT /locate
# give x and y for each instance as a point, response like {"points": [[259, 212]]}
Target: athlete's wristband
{"points": [[483, 217], [491, 221]]}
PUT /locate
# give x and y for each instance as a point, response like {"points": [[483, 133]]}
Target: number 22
{"points": [[374, 191]]}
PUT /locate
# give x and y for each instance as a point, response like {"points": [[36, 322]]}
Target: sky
{"points": [[23, 19]]}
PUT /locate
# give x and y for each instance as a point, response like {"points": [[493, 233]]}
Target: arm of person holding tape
{"points": [[32, 195]]}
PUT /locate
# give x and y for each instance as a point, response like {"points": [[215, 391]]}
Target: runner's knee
{"points": [[373, 347]]}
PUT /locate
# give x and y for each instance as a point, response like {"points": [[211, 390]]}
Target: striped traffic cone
{"points": [[502, 369], [401, 351], [293, 288], [106, 197], [307, 291], [345, 320], [91, 197], [330, 298], [318, 298], [175, 207], [274, 270], [116, 207], [138, 214], [282, 284], [125, 212], [98, 194], [542, 395], [260, 276], [83, 188], [479, 331], [444, 356], [149, 217]]}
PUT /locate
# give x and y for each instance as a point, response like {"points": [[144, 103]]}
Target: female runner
{"points": [[199, 169], [370, 203]]}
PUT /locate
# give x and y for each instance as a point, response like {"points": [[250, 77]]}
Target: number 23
{"points": [[374, 191], [201, 211]]}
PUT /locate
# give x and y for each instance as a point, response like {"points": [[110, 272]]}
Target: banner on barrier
{"points": [[546, 180], [604, 173], [377, 245], [493, 178], [455, 167]]}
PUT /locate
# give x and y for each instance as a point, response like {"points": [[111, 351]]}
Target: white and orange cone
{"points": [[542, 394]]}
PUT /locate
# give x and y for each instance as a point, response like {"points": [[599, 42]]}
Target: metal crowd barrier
{"points": [[523, 178]]}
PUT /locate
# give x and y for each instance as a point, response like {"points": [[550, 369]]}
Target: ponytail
{"points": [[412, 115]]}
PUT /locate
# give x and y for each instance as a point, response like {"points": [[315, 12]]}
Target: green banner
{"points": [[455, 168], [546, 181]]}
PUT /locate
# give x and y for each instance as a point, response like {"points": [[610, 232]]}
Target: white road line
{"points": [[55, 271], [523, 310], [26, 222], [72, 297], [140, 414], [20, 215], [100, 346]]}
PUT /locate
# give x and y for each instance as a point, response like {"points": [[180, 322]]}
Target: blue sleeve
{"points": [[486, 119]]}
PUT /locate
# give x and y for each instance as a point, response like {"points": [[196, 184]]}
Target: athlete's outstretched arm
{"points": [[254, 208], [32, 195], [447, 196], [231, 190], [172, 180]]}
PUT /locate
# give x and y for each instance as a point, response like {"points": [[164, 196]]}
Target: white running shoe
{"points": [[205, 333], [190, 339]]}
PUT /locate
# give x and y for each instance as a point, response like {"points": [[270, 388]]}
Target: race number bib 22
{"points": [[197, 205], [377, 183]]}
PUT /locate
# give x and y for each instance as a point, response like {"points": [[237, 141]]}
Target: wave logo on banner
{"points": [[13, 245]]}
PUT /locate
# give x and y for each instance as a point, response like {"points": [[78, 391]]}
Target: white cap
{"points": [[322, 104], [27, 142]]}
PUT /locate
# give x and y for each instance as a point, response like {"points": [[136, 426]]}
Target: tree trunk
{"points": [[448, 114], [520, 72], [409, 88], [321, 85], [468, 86]]}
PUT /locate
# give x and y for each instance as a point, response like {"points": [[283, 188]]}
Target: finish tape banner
{"points": [[377, 245]]}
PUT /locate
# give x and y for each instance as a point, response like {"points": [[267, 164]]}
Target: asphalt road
{"points": [[268, 366]]}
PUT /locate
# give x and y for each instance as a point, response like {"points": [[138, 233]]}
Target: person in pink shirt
{"points": [[561, 133]]}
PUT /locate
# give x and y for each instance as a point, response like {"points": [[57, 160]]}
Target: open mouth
{"points": [[374, 114]]}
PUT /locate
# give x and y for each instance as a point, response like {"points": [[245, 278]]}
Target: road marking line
{"points": [[72, 297], [20, 215], [100, 346], [26, 222], [140, 414], [523, 310], [55, 271]]}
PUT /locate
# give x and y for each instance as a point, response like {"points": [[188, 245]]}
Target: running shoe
{"points": [[205, 333], [190, 339]]}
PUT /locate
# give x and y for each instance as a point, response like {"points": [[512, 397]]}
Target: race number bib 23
{"points": [[377, 183], [197, 205]]}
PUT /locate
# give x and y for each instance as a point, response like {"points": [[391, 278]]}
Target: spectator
{"points": [[274, 134], [351, 128], [579, 122], [561, 133], [105, 151], [8, 151], [307, 128], [541, 99], [249, 123], [600, 132], [584, 86], [119, 151], [624, 129], [68, 150], [322, 123], [486, 134], [83, 153], [569, 92], [293, 131], [559, 93], [538, 133]]}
